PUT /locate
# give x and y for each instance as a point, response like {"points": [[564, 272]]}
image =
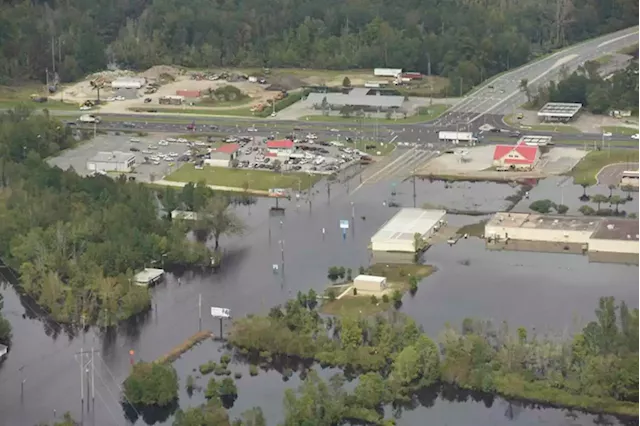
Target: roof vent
{"points": [[610, 226]]}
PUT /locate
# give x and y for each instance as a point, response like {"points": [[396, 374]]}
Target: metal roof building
{"points": [[535, 140], [358, 98], [397, 235], [559, 111], [115, 161]]}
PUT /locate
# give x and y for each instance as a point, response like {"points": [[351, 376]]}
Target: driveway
{"points": [[611, 174]]}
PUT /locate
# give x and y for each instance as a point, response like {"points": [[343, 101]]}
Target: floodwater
{"points": [[545, 291]]}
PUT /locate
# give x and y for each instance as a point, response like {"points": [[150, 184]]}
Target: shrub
{"points": [[355, 291], [207, 367], [225, 359], [238, 375], [331, 294], [151, 384], [253, 370], [385, 298], [374, 300], [220, 370]]}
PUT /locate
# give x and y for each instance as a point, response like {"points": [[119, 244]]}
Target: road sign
{"points": [[344, 224], [220, 312]]}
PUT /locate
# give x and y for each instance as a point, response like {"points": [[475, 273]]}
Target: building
{"points": [[630, 178], [3, 351], [370, 284], [283, 148], [149, 276], [616, 236], [535, 140], [559, 111], [541, 228], [128, 83], [387, 72], [191, 94], [171, 100], [358, 98], [115, 161], [515, 157], [398, 234], [223, 155]]}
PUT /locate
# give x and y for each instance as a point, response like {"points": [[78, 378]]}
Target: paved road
{"points": [[611, 174]]}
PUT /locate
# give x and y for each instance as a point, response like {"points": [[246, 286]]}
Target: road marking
{"points": [[393, 139], [616, 39], [401, 157]]}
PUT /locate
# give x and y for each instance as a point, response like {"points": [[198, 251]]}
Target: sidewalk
{"points": [[214, 187]]}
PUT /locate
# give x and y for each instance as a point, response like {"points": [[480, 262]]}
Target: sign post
{"points": [[344, 225], [220, 313]]}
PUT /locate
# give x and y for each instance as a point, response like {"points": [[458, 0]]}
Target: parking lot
{"points": [[154, 158]]}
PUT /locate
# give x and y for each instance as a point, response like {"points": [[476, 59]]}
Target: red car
{"points": [[191, 126]]}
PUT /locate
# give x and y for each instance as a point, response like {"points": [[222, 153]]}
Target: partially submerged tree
{"points": [[217, 218]]}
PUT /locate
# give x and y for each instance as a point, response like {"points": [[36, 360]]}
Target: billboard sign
{"points": [[344, 224], [277, 192], [220, 312]]}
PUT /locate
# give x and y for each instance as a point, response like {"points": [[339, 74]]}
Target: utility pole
{"points": [[200, 312], [90, 379], [414, 188], [328, 192], [22, 381], [53, 55]]}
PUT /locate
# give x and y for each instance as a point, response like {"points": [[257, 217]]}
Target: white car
{"points": [[252, 129], [171, 140], [607, 134], [334, 130], [85, 108], [273, 114], [163, 143], [634, 136]]}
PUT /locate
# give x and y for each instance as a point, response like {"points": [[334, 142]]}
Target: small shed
{"points": [[149, 276], [370, 284]]}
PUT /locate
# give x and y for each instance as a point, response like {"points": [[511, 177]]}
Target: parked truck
{"points": [[456, 137], [89, 118]]}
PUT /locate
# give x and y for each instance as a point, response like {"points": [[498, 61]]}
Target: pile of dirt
{"points": [[156, 72], [285, 82]]}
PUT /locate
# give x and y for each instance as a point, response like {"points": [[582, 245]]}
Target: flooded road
{"points": [[545, 291]]}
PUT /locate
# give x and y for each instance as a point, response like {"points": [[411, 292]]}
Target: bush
{"points": [[355, 291], [562, 209], [225, 359], [151, 384], [220, 370], [331, 294], [413, 284], [385, 298], [542, 206], [191, 383], [207, 367], [213, 389], [253, 370], [374, 300], [228, 387], [397, 298], [238, 375]]}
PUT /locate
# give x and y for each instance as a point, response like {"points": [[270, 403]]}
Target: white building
{"points": [[397, 235], [115, 161], [542, 228], [615, 236], [370, 284], [128, 83], [630, 178], [223, 155], [387, 72]]}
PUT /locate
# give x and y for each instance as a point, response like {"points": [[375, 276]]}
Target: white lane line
{"points": [[401, 157], [616, 39]]}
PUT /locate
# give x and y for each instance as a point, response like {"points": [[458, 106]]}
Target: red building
{"points": [[280, 148], [516, 157]]}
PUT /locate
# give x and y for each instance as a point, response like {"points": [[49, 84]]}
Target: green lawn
{"points": [[261, 180], [424, 114], [398, 279], [383, 148], [233, 112], [620, 130], [603, 60], [587, 169]]}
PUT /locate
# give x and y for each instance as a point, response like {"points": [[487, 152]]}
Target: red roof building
{"points": [[228, 148], [189, 93], [516, 157], [283, 144]]}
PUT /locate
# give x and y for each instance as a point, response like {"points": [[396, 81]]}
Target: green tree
{"points": [[406, 367], [312, 299], [396, 297], [346, 82], [429, 359], [5, 326], [253, 417], [216, 219], [587, 210], [628, 189], [616, 200], [213, 389], [561, 208], [346, 111], [151, 384], [351, 333], [413, 284], [599, 199], [372, 391], [210, 413], [542, 206]]}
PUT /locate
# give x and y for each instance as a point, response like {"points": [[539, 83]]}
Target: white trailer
{"points": [[457, 137], [88, 118], [387, 72]]}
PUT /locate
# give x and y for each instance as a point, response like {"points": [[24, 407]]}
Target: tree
{"points": [[429, 359], [151, 384], [628, 189], [396, 297], [216, 219], [210, 413], [542, 206], [406, 367], [228, 392], [584, 196], [312, 299], [561, 208], [5, 326], [616, 200], [524, 87], [346, 111], [253, 417], [350, 333], [371, 391], [413, 284], [611, 188], [277, 165], [599, 199], [587, 210], [346, 82]]}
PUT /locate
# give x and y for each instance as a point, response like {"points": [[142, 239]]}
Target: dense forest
{"points": [[76, 241], [598, 94], [468, 39]]}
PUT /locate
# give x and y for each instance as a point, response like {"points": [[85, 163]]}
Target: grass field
{"points": [[587, 169], [424, 114], [231, 112], [261, 180], [10, 97], [397, 278], [630, 50], [559, 128], [384, 148], [620, 130]]}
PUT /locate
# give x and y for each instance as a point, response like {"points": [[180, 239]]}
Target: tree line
{"points": [[78, 241], [466, 40], [597, 93]]}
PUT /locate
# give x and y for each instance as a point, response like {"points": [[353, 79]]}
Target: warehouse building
{"points": [[370, 284], [615, 240], [398, 234], [358, 98], [115, 161], [223, 155], [559, 111], [537, 227]]}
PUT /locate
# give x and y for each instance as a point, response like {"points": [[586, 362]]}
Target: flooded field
{"points": [[545, 291]]}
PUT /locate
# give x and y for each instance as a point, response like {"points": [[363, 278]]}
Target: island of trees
{"points": [[77, 242], [464, 40]]}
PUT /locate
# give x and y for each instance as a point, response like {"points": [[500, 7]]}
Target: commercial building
{"points": [[192, 94], [171, 100], [223, 155], [115, 161], [128, 83], [387, 72], [358, 98], [542, 228], [398, 234], [149, 276], [370, 284], [559, 111], [283, 148], [630, 178], [515, 157], [618, 237], [535, 140]]}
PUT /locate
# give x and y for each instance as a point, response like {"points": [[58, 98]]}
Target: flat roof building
{"points": [[559, 111], [148, 277], [538, 227], [365, 99], [397, 235], [128, 83], [615, 235], [370, 284], [115, 161], [531, 140], [630, 178]]}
